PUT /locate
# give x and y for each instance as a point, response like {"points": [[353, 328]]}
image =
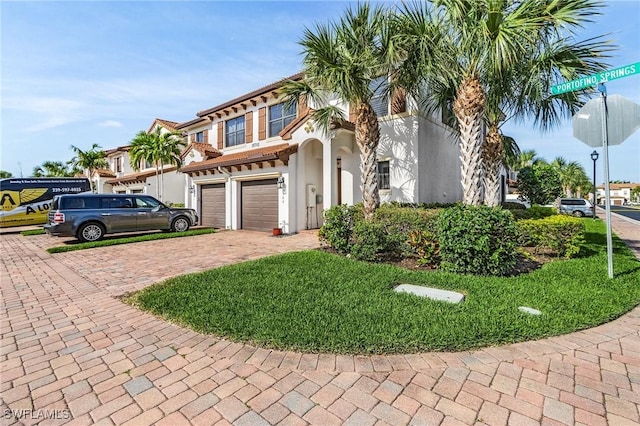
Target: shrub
{"points": [[400, 222], [339, 222], [535, 212], [478, 240], [539, 183], [424, 244], [559, 233], [513, 205], [369, 241]]}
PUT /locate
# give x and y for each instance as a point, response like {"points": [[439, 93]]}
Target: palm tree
{"points": [[346, 58], [52, 169], [502, 56], [527, 158], [89, 160], [572, 175], [159, 148]]}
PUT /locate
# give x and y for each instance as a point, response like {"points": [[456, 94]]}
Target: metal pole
{"points": [[605, 148], [595, 196]]}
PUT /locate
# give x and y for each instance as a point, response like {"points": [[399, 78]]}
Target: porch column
{"points": [[327, 176]]}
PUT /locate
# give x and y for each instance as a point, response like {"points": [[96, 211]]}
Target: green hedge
{"points": [[477, 240], [535, 212], [561, 234]]}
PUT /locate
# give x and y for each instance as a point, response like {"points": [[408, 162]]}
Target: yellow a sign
{"points": [[9, 200]]}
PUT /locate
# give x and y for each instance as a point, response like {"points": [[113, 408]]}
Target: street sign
{"points": [[624, 120], [592, 80]]}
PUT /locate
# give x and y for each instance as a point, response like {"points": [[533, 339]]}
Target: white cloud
{"points": [[110, 123]]}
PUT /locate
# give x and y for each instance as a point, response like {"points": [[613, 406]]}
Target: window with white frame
{"points": [[145, 164], [118, 164], [380, 99], [200, 137], [280, 117], [383, 175], [234, 134]]}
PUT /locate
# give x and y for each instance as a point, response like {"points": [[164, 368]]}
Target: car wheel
{"points": [[91, 232], [578, 213], [180, 224]]}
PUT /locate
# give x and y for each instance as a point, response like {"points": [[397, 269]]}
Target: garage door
{"points": [[212, 205], [260, 205]]}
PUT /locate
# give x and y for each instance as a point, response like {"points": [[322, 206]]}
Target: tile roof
{"points": [[167, 124], [138, 177], [250, 95], [206, 149], [118, 149], [104, 173], [273, 152], [620, 186]]}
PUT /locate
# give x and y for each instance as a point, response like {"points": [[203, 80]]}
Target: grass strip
{"points": [[32, 232], [315, 301], [127, 240]]}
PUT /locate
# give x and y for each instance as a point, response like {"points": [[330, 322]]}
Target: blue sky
{"points": [[78, 73]]}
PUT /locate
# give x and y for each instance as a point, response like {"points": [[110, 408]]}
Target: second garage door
{"points": [[260, 205], [212, 208]]}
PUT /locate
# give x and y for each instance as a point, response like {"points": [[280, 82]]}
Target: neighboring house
{"points": [[122, 178], [262, 166], [620, 193]]}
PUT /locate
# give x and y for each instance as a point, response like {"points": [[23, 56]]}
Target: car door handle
{"points": [[142, 212], [105, 214]]}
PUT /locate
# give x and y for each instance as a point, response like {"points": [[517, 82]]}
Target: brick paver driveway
{"points": [[71, 350]]}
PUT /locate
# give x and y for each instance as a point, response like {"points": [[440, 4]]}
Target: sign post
{"points": [[627, 115]]}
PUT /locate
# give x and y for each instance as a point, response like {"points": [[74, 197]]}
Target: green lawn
{"points": [[114, 241], [319, 302]]}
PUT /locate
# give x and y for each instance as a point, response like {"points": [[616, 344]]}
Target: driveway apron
{"points": [[72, 353]]}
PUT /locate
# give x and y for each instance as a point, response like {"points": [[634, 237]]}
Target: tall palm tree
{"points": [[89, 160], [527, 158], [572, 175], [159, 148], [503, 56], [346, 58], [52, 169]]}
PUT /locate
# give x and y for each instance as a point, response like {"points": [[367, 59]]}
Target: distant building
{"points": [[620, 193]]}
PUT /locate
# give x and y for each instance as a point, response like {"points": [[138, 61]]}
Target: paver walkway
{"points": [[70, 350]]}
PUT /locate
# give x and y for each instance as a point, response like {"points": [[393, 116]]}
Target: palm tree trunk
{"points": [[491, 161], [367, 135], [157, 183], [162, 183], [469, 108]]}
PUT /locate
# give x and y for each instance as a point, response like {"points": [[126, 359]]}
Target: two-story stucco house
{"points": [[123, 178], [263, 166], [620, 193]]}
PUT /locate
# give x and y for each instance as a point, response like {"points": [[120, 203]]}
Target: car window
{"points": [[73, 203], [116, 203], [146, 202]]}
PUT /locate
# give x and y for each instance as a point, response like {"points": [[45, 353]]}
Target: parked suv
{"points": [[576, 206], [89, 217]]}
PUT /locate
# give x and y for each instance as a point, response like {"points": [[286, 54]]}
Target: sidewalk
{"points": [[628, 230], [71, 352]]}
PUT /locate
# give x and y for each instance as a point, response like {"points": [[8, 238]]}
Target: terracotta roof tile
{"points": [[273, 152], [138, 177], [620, 185], [104, 173], [118, 149], [205, 149], [250, 95], [167, 124]]}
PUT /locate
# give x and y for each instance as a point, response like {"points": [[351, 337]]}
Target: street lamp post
{"points": [[594, 157]]}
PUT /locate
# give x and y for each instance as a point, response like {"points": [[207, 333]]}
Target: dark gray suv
{"points": [[89, 217]]}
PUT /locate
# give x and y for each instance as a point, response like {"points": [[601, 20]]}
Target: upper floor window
{"points": [[280, 117], [200, 137], [383, 175], [234, 131], [145, 164], [380, 99], [118, 164]]}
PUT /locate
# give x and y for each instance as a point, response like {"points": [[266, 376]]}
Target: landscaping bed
{"points": [[315, 301]]}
